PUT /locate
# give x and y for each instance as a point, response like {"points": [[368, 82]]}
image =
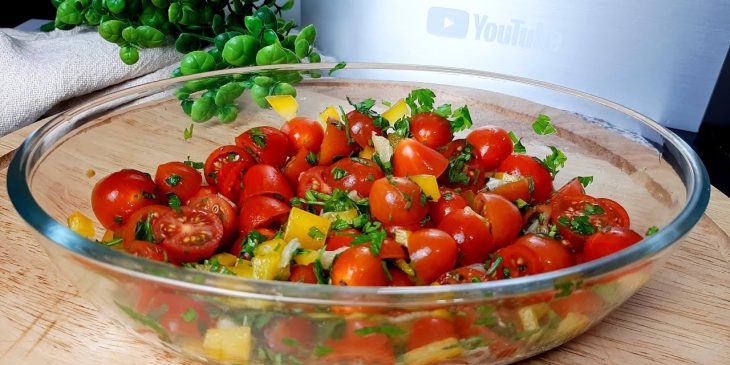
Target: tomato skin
{"points": [[203, 191], [399, 278], [466, 328], [179, 179], [360, 175], [473, 170], [189, 235], [428, 330], [118, 195], [265, 179], [362, 128], [431, 129], [296, 166], [464, 275], [304, 133], [528, 167], [397, 201], [313, 179], [433, 252], [146, 249], [553, 255], [221, 156], [296, 328], [519, 189], [602, 244], [516, 261], [581, 301], [491, 145], [224, 209], [371, 349], [504, 217], [472, 233], [415, 158], [154, 212], [339, 239], [450, 201], [622, 216], [357, 266], [335, 143], [573, 187], [303, 274], [260, 211], [267, 145], [230, 179], [573, 206], [172, 319], [392, 250]]}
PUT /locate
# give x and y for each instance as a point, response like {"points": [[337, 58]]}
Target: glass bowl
{"points": [[228, 319]]}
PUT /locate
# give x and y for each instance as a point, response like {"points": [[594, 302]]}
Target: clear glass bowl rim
{"points": [[691, 171]]}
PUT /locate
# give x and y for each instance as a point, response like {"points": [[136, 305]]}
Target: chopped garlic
{"points": [[382, 147]]}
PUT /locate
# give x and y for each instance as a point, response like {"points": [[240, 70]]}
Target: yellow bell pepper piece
{"points": [[345, 215], [243, 268], [306, 257], [228, 344], [108, 236], [433, 352], [81, 224], [266, 260], [571, 326], [226, 259], [284, 105], [367, 153], [428, 185], [530, 315], [310, 229], [328, 113], [395, 112]]}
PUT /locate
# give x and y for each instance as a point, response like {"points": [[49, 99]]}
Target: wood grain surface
{"points": [[682, 316]]}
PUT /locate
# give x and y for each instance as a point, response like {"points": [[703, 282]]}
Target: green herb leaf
{"points": [[494, 265], [174, 202], [338, 173], [521, 203], [652, 231], [542, 125], [364, 106], [461, 119], [593, 209], [312, 158], [554, 161], [173, 179], [288, 341], [189, 315], [188, 132], [252, 239], [585, 180], [258, 137], [320, 350], [420, 100], [518, 147], [579, 224], [337, 67], [315, 233], [319, 272], [391, 331], [193, 164], [143, 230], [112, 242], [145, 321]]}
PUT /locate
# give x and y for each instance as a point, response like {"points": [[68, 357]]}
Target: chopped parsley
{"points": [[320, 350], [188, 132], [174, 202], [315, 233], [585, 180], [193, 164], [579, 224], [457, 170], [420, 100], [461, 119], [173, 180], [593, 209], [542, 125], [337, 67], [495, 264], [338, 173], [521, 203], [113, 242], [288, 341], [387, 330], [249, 243], [518, 147], [651, 231], [373, 234], [312, 158], [385, 269], [554, 161], [363, 107], [189, 315], [258, 137], [319, 272], [143, 230]]}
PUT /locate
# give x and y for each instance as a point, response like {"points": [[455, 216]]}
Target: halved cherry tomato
{"points": [[415, 158], [581, 301], [579, 216], [471, 176], [357, 266], [221, 156], [260, 211], [472, 233], [532, 254], [303, 274], [428, 330], [179, 179], [313, 179], [433, 252], [362, 128], [118, 195], [296, 166], [174, 308], [464, 275], [392, 250], [335, 144], [622, 215], [353, 174], [529, 168], [573, 187], [519, 189], [190, 234], [339, 239], [397, 201], [602, 244], [224, 209], [516, 260], [352, 348], [504, 217], [146, 249], [237, 246], [399, 278], [491, 145], [293, 335], [265, 179], [450, 201], [140, 216], [466, 327], [266, 145], [203, 191], [431, 129], [230, 179], [304, 133]]}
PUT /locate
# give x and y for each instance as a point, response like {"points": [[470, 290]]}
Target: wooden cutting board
{"points": [[682, 316]]}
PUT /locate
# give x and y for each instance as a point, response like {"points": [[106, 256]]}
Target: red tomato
{"points": [[504, 217], [415, 158], [303, 274], [528, 167], [352, 348], [428, 330], [304, 133], [221, 156], [120, 194], [532, 254], [464, 275], [179, 179], [260, 211], [181, 315], [189, 235], [335, 144], [516, 259], [519, 189], [499, 346], [357, 266], [140, 216], [471, 176], [602, 244], [230, 179], [573, 187], [581, 301], [599, 214], [224, 209], [362, 128], [431, 129], [237, 246], [292, 335], [353, 174], [267, 145], [399, 278], [265, 179], [433, 252], [313, 179], [392, 250], [491, 145], [339, 239], [471, 232], [203, 191], [622, 215], [146, 249], [450, 201], [296, 166], [397, 201]]}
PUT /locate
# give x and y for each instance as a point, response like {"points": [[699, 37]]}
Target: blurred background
{"points": [[667, 60]]}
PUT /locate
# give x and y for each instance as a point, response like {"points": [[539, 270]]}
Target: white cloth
{"points": [[40, 70]]}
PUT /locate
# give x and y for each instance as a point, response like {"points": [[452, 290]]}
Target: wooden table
{"points": [[682, 316]]}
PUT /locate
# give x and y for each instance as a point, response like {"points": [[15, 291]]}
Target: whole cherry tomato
{"points": [[503, 216], [491, 145], [467, 327], [303, 274], [471, 232], [464, 275], [532, 254], [450, 201], [292, 335], [353, 174], [528, 167], [433, 252], [363, 348], [179, 179], [428, 330], [118, 195], [397, 201], [267, 145], [304, 133], [431, 129], [221, 156], [265, 179], [181, 315], [189, 235], [357, 266], [260, 211], [339, 239], [300, 162], [602, 244], [581, 301], [415, 158], [362, 128], [335, 144]]}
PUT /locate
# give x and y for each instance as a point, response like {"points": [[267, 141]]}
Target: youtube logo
{"points": [[447, 22]]}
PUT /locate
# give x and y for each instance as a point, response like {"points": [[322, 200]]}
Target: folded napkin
{"points": [[40, 70]]}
